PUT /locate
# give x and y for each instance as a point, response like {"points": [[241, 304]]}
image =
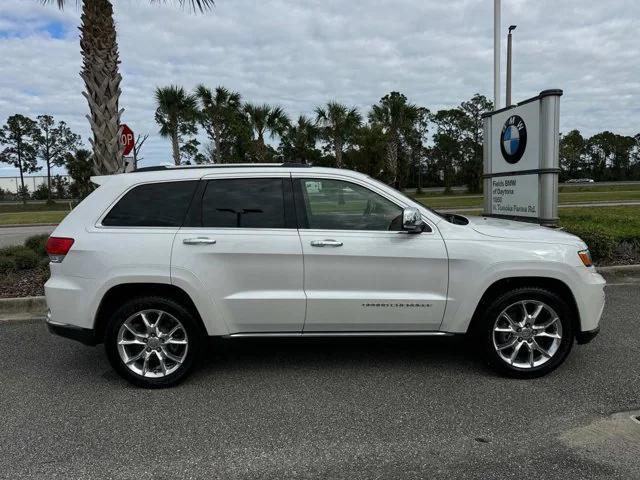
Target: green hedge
{"points": [[37, 244], [24, 257], [600, 242], [18, 258], [605, 229]]}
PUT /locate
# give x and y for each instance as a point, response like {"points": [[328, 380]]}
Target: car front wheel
{"points": [[528, 332]]}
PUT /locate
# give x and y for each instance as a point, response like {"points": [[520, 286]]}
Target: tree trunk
{"points": [[338, 151], [175, 145], [261, 148], [24, 197], [102, 83], [447, 179], [218, 143], [392, 160], [48, 182]]}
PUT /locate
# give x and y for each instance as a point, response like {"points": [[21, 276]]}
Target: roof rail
{"points": [[157, 168]]}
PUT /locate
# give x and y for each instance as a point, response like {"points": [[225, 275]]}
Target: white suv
{"points": [[154, 262]]}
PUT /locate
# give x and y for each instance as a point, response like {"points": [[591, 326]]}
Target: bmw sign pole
{"points": [[521, 160]]}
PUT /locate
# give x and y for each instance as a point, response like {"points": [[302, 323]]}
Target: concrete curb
{"points": [[615, 269], [22, 308]]}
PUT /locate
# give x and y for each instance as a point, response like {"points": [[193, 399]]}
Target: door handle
{"points": [[199, 241], [326, 243]]}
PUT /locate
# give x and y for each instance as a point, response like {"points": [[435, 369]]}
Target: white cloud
{"points": [[300, 54]]}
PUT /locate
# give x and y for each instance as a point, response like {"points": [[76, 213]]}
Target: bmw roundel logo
{"points": [[513, 139]]}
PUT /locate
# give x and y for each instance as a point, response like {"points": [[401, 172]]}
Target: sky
{"points": [[301, 53]]}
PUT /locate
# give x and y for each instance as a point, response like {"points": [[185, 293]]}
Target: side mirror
{"points": [[412, 220]]}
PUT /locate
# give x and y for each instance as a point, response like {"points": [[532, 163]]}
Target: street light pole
{"points": [[509, 40], [496, 54]]}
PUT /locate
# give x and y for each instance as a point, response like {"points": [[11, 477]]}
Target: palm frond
{"points": [[194, 5]]}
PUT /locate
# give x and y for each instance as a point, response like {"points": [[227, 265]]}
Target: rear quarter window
{"points": [[162, 204]]}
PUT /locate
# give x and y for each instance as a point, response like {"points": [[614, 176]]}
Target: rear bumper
{"points": [[82, 335], [586, 337]]}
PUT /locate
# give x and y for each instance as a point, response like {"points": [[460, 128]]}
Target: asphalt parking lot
{"points": [[348, 409]]}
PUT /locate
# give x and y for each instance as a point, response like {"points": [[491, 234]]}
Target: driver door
{"points": [[361, 271]]}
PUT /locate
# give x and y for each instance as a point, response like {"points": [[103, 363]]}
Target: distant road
{"points": [[17, 235], [601, 184]]}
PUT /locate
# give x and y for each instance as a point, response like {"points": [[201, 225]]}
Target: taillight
{"points": [[58, 247]]}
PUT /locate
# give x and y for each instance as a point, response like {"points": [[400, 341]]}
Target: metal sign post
{"points": [[521, 160]]}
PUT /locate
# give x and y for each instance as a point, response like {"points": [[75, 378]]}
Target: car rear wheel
{"points": [[152, 342], [527, 332]]}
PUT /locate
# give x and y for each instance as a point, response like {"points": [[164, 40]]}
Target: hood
{"points": [[510, 229]]}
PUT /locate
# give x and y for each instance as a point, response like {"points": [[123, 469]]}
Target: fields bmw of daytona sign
{"points": [[521, 159]]}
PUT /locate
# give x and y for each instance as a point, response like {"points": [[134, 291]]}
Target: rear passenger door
{"points": [[131, 242], [240, 245]]}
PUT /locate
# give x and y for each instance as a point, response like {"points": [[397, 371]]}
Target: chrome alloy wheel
{"points": [[152, 343], [527, 334]]}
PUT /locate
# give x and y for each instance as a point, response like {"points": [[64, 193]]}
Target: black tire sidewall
{"points": [[147, 303], [557, 303]]}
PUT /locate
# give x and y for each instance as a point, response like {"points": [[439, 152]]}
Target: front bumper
{"points": [[83, 335], [589, 294]]}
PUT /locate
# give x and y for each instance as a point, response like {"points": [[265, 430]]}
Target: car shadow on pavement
{"points": [[340, 353]]}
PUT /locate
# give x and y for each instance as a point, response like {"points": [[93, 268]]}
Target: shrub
{"points": [[21, 257], [600, 242], [25, 259], [7, 265], [41, 192], [60, 186], [37, 243], [23, 192]]}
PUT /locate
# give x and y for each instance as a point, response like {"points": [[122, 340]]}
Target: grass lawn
{"points": [[58, 206], [26, 218], [623, 223], [611, 196], [598, 188]]}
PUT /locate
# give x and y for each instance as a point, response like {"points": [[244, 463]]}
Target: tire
{"points": [[501, 335], [161, 340]]}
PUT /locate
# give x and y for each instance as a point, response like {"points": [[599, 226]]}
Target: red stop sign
{"points": [[126, 138]]}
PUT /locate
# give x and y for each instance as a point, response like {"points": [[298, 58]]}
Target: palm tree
{"points": [[338, 125], [397, 117], [218, 111], [100, 60], [176, 114], [265, 119], [299, 142]]}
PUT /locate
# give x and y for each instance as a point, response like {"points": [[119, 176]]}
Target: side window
{"points": [[162, 204], [244, 203], [339, 205]]}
